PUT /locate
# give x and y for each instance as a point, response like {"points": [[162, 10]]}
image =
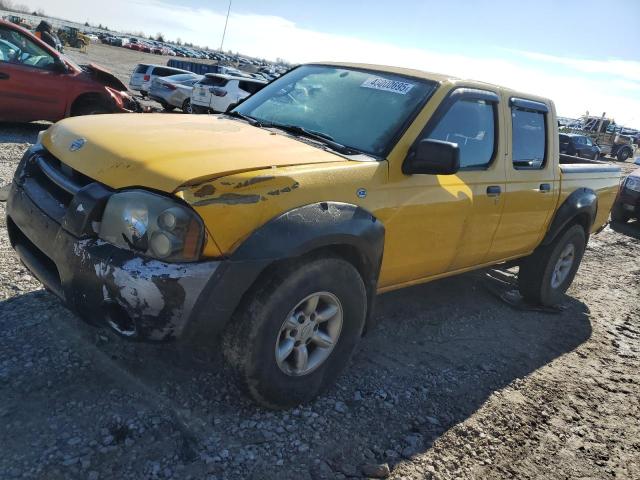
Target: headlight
{"points": [[633, 183], [153, 225]]}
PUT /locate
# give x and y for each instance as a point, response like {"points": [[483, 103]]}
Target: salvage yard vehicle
{"points": [[606, 134], [627, 205], [277, 224], [174, 91], [72, 37], [578, 146], [219, 92], [39, 83], [144, 74]]}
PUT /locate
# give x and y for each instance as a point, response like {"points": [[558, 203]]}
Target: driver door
{"points": [[29, 88]]}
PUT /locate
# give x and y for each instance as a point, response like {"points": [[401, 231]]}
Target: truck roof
{"points": [[436, 77]]}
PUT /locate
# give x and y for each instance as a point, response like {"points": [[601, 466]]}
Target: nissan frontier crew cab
{"points": [[276, 225]]}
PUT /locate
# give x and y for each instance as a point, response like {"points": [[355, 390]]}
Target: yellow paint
{"points": [[238, 177]]}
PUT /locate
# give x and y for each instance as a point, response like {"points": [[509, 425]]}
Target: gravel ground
{"points": [[454, 383]]}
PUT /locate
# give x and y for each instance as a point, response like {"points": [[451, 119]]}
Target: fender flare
{"points": [[292, 234], [581, 204]]}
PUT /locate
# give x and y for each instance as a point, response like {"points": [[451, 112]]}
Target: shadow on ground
{"points": [[440, 351], [630, 229], [21, 132]]}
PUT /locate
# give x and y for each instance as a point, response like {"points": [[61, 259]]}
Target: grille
{"points": [[57, 179]]}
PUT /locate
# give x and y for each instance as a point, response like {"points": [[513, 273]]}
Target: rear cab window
{"points": [[528, 134]]}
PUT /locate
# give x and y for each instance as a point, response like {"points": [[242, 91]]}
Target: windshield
{"points": [[364, 110]]}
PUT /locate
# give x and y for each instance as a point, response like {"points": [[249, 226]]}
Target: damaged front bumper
{"points": [[138, 297]]}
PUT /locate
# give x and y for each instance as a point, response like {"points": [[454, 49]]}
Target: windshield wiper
{"points": [[319, 136], [251, 120]]}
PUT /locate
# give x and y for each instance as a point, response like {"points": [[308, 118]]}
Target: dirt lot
{"points": [[454, 383]]}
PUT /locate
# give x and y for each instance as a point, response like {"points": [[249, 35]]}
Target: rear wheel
{"points": [[623, 154], [546, 274], [297, 331], [186, 106]]}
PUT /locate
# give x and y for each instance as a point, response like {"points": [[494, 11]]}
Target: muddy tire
{"points": [[618, 214], [546, 274], [296, 331]]}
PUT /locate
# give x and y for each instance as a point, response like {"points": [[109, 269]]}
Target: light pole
{"points": [[225, 25]]}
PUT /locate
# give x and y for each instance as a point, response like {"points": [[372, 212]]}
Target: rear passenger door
{"points": [[532, 185]]}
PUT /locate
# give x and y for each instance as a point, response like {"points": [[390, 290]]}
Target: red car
{"points": [[39, 83]]}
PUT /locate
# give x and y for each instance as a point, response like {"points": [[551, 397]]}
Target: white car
{"points": [[144, 74], [218, 92]]}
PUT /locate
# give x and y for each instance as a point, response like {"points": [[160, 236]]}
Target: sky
{"points": [[584, 55]]}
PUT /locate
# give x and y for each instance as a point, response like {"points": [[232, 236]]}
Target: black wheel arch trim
{"points": [[292, 234], [581, 203]]}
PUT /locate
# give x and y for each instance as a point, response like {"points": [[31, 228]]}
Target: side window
{"points": [[529, 138], [471, 124], [251, 87], [589, 142], [18, 49]]}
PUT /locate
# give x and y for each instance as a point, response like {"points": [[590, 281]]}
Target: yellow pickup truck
{"points": [[276, 224]]}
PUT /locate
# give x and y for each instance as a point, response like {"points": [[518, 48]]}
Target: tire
{"points": [[91, 108], [623, 154], [258, 328], [618, 214], [536, 280], [186, 106]]}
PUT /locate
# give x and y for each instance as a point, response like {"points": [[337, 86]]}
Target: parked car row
{"points": [[162, 48]]}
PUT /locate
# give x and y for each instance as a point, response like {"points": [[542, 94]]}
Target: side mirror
{"points": [[432, 157], [59, 66]]}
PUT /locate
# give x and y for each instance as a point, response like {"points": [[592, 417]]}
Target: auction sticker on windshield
{"points": [[387, 85]]}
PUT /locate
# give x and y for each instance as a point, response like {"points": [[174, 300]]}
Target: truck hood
{"points": [[104, 76], [165, 152]]}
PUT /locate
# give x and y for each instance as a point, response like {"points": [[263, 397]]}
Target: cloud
{"points": [[576, 85]]}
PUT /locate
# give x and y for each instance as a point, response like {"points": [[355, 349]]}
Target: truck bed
{"points": [[571, 164]]}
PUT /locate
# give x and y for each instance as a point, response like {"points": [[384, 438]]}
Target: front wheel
{"points": [[546, 274], [297, 331]]}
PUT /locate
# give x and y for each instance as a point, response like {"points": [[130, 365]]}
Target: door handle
{"points": [[493, 190], [4, 76], [545, 187]]}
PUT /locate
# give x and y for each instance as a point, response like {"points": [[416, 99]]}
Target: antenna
{"points": [[225, 25]]}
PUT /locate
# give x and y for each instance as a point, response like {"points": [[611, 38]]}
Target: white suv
{"points": [[219, 93], [144, 74]]}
